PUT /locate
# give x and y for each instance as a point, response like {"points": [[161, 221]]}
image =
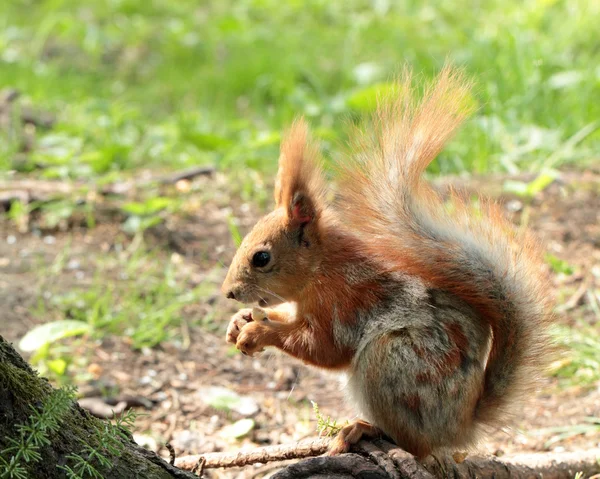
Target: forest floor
{"points": [[196, 392]]}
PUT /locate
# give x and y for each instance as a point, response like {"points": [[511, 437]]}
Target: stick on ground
{"points": [[263, 455]]}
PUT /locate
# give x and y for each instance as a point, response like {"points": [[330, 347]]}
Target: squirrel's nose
{"points": [[230, 295]]}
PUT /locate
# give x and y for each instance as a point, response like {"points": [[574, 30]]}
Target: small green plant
{"points": [[31, 436], [58, 211], [19, 214], [532, 188], [146, 214], [559, 266], [50, 355], [325, 425], [86, 463]]}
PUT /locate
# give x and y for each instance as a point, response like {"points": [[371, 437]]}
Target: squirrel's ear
{"points": [[301, 210], [299, 185]]}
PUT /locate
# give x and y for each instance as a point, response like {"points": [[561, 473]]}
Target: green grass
{"points": [[134, 295], [162, 83]]}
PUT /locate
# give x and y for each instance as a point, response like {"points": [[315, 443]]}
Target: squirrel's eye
{"points": [[261, 259]]}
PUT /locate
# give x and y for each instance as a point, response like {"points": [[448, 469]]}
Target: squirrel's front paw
{"points": [[253, 338], [237, 322]]}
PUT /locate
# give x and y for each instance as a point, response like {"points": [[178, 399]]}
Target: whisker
{"points": [[272, 294]]}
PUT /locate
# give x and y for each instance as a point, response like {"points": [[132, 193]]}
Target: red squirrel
{"points": [[435, 310]]}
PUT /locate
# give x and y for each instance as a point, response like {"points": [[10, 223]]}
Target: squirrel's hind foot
{"points": [[352, 434]]}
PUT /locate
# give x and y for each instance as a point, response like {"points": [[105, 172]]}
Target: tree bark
{"points": [[22, 392]]}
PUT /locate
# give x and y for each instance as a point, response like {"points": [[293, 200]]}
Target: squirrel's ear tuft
{"points": [[299, 186]]}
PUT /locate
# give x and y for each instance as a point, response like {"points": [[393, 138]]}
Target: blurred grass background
{"points": [[144, 83]]}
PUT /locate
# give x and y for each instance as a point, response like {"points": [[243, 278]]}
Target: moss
{"points": [[20, 388], [22, 384]]}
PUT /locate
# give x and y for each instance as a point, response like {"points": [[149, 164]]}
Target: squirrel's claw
{"points": [[247, 345], [252, 338], [237, 322], [350, 435], [338, 446]]}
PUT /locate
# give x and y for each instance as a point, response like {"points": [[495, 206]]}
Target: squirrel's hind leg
{"points": [[350, 435]]}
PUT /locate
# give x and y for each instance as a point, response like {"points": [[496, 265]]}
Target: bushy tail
{"points": [[472, 252]]}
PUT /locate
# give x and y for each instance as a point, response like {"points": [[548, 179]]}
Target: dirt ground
{"points": [[172, 384]]}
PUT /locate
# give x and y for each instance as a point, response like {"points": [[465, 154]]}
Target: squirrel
{"points": [[435, 310]]}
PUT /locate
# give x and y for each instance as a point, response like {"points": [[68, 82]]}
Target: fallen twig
{"points": [[8, 95], [41, 190], [302, 449], [188, 174], [42, 186], [123, 187]]}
